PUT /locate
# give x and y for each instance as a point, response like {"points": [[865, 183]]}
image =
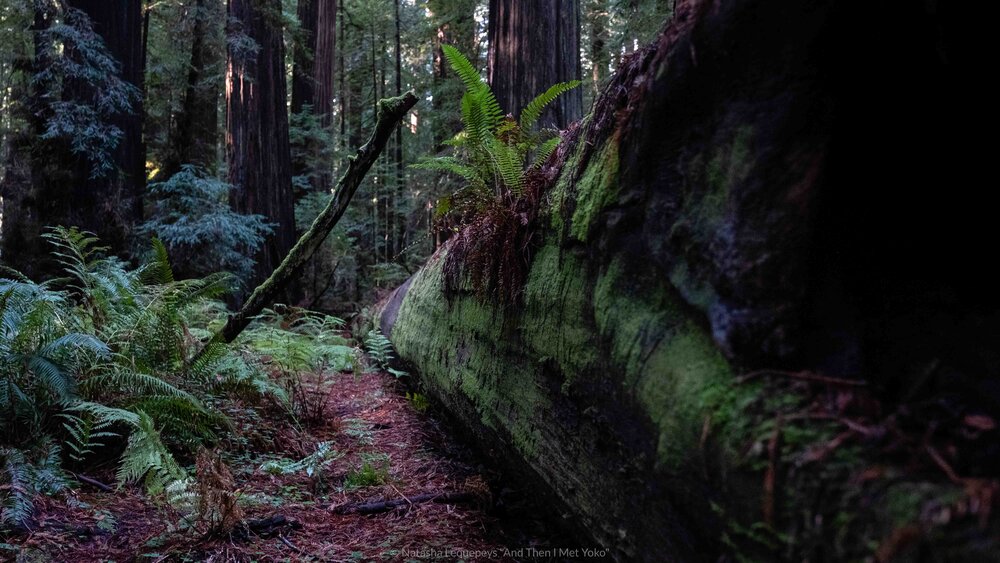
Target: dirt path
{"points": [[390, 450]]}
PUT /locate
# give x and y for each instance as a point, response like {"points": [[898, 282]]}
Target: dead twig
{"points": [[401, 494], [93, 482], [802, 376], [940, 461], [387, 505]]}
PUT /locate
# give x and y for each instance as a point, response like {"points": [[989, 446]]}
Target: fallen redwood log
{"points": [[386, 505], [727, 207]]}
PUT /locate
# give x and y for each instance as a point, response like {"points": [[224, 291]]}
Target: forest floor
{"points": [[390, 449]]}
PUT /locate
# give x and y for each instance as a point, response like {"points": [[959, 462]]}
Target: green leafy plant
{"points": [[379, 349], [306, 346], [494, 152], [312, 465], [374, 470], [191, 215], [500, 161], [419, 401], [96, 363], [24, 475]]}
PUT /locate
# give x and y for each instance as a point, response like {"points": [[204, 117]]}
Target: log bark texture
{"points": [[703, 221]]}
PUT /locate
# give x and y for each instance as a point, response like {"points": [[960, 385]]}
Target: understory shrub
{"points": [[96, 366]]}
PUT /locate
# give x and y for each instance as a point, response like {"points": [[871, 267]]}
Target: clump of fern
{"points": [[304, 347], [379, 350], [312, 465], [26, 474], [494, 152], [97, 363], [499, 159]]}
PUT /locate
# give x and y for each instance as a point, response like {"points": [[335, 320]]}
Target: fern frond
{"points": [[104, 416], [448, 164], [508, 165], [158, 270], [17, 501], [124, 380], [544, 151], [464, 69], [56, 380], [532, 111], [146, 457]]}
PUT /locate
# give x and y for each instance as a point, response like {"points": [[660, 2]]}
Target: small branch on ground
{"points": [[803, 376], [266, 527], [92, 482], [387, 505]]}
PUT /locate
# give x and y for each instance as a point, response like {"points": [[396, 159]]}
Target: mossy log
{"points": [[390, 112], [677, 250]]}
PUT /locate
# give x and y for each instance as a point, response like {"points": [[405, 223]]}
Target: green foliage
{"points": [[73, 53], [374, 470], [98, 359], [379, 350], [304, 346], [312, 465], [24, 475], [419, 401], [311, 146], [192, 217], [299, 341], [495, 153]]}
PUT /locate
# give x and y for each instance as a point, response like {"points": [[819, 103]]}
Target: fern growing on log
{"points": [[499, 159], [495, 152]]}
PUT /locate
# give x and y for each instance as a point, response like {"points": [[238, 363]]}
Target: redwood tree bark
{"points": [[111, 206], [194, 140], [533, 45], [257, 148], [312, 76], [46, 183]]}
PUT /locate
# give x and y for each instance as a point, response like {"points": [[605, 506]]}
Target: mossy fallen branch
{"points": [[390, 112]]}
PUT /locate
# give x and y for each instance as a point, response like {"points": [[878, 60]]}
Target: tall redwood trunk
{"points": [[257, 149], [532, 46], [195, 138], [313, 73], [111, 206], [400, 234]]}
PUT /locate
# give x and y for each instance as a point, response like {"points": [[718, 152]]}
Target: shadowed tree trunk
{"points": [[257, 148], [194, 140], [60, 187], [533, 45], [111, 205], [313, 74]]}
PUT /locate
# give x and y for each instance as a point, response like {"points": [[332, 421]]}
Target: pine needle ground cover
{"points": [[368, 418]]}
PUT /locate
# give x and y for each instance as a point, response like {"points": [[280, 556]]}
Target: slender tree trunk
{"points": [[597, 22], [257, 148], [313, 75], [533, 45], [388, 114], [400, 235], [196, 135]]}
